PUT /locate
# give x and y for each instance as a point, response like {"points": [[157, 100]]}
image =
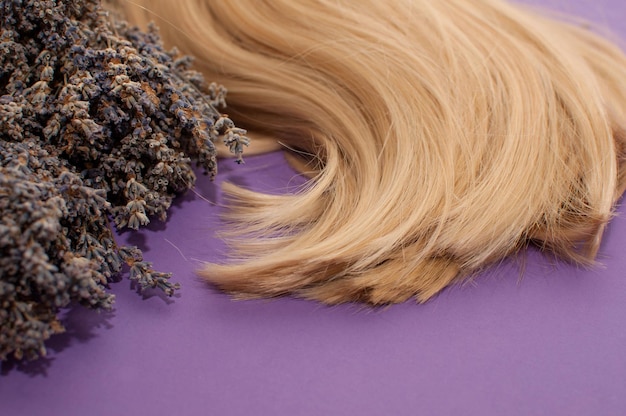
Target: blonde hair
{"points": [[442, 136]]}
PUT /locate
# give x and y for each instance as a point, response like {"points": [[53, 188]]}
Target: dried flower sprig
{"points": [[97, 121]]}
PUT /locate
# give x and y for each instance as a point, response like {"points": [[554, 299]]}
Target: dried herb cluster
{"points": [[97, 121]]}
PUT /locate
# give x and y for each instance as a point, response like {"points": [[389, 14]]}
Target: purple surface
{"points": [[552, 343]]}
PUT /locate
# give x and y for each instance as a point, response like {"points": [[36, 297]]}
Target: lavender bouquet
{"points": [[98, 123]]}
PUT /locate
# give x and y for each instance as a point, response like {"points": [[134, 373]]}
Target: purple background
{"points": [[550, 343]]}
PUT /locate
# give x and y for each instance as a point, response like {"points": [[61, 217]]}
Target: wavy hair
{"points": [[440, 137]]}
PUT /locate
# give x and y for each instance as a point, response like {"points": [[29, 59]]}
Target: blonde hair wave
{"points": [[442, 136]]}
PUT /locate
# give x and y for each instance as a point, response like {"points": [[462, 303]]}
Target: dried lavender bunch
{"points": [[97, 121]]}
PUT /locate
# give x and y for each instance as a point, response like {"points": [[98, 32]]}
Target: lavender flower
{"points": [[97, 121]]}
